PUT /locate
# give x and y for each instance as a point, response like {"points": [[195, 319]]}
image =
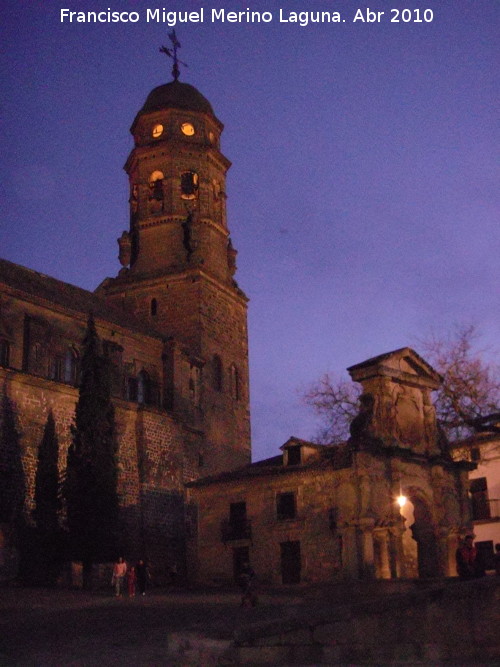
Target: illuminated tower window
{"points": [[189, 185], [156, 185]]}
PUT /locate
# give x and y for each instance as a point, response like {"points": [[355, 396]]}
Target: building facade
{"points": [[388, 503], [172, 323], [484, 450]]}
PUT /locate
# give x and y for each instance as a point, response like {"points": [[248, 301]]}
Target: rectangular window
{"points": [[4, 353], [475, 454], [237, 512], [132, 389], [286, 506], [479, 498], [238, 526], [485, 554], [294, 455]]}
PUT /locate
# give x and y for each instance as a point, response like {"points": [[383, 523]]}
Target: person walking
{"points": [[131, 579], [119, 572], [141, 571], [466, 557], [246, 581]]}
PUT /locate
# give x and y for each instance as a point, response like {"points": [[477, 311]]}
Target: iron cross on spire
{"points": [[172, 53]]}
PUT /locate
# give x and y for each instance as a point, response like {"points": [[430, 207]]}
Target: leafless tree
{"points": [[467, 402], [335, 401]]}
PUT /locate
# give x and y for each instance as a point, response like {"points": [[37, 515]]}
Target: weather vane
{"points": [[172, 53]]}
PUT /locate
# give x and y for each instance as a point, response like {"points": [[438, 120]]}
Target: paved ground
{"points": [[40, 627], [64, 628]]}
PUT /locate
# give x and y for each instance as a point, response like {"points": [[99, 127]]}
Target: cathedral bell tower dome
{"points": [[176, 95]]}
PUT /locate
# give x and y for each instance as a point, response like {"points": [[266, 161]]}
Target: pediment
{"points": [[403, 365]]}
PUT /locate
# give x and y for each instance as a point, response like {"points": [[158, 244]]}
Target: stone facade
{"points": [[172, 323], [325, 513]]}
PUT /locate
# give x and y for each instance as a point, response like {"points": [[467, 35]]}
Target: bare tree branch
{"points": [[469, 397], [335, 400]]}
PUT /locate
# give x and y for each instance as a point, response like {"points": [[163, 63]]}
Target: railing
{"points": [[236, 530], [486, 509]]}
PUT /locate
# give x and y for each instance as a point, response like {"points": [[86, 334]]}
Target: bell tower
{"points": [[178, 266], [177, 178]]}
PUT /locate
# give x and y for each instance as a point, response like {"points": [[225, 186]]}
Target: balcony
{"points": [[236, 530], [486, 510]]}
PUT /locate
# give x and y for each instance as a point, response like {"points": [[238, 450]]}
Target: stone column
{"points": [[442, 536], [381, 538], [396, 551], [465, 503], [452, 546], [367, 554], [349, 552]]}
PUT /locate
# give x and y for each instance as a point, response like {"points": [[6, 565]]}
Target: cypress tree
{"points": [[47, 500], [47, 539], [91, 475], [12, 481]]}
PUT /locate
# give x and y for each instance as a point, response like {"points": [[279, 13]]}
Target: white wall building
{"points": [[484, 449]]}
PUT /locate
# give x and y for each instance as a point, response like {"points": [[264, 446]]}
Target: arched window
{"points": [[154, 307], [217, 373], [189, 185], [70, 366], [195, 384], [39, 362], [4, 353], [37, 352], [235, 382], [143, 388], [132, 386], [156, 185], [56, 368]]}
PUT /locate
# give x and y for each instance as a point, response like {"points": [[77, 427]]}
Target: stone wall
{"points": [[450, 622], [152, 461], [453, 623]]}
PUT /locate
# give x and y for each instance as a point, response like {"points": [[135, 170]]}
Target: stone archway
{"points": [[423, 532], [408, 543]]}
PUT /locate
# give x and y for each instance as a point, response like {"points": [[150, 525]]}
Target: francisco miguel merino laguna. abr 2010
{"points": [[172, 18]]}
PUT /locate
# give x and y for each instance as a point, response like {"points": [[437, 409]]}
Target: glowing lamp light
{"points": [[402, 501]]}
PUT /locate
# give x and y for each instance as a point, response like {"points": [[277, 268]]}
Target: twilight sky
{"points": [[363, 196]]}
